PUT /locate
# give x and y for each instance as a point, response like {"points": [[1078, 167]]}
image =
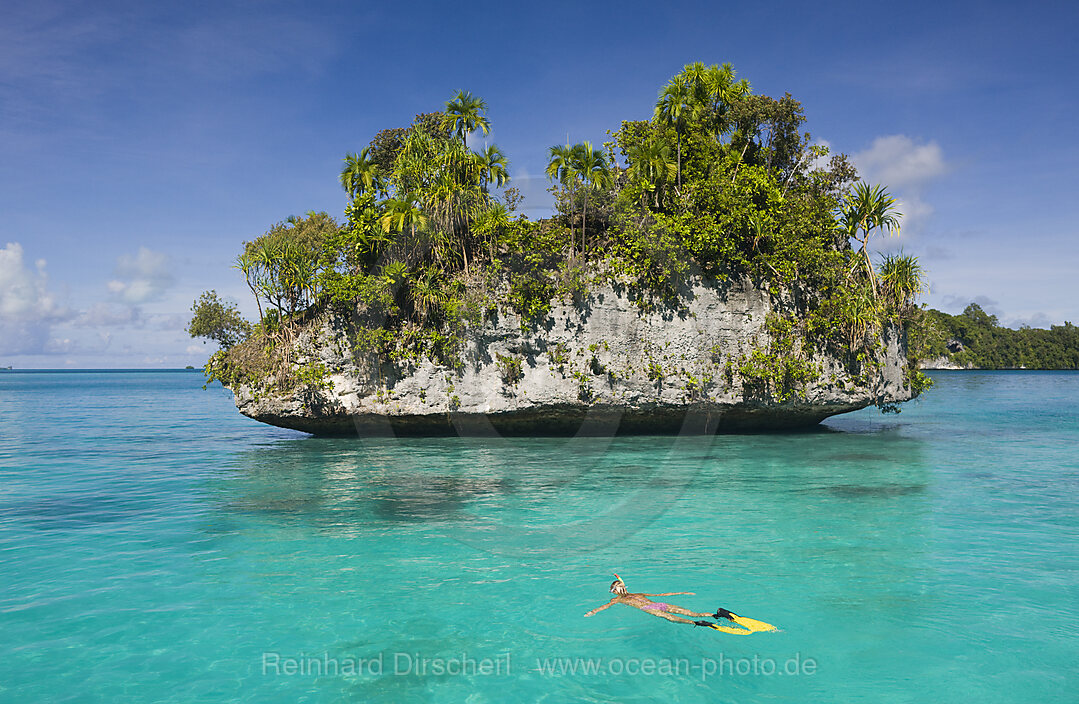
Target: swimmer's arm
{"points": [[596, 610], [669, 594]]}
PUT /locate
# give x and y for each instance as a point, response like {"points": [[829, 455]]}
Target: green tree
{"points": [[866, 209], [723, 91], [248, 264], [491, 223], [652, 166], [217, 320], [672, 110], [902, 281], [465, 114], [595, 174], [282, 266], [404, 212], [493, 167], [360, 174], [562, 167]]}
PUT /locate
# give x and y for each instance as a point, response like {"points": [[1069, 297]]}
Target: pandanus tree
{"points": [[454, 197], [865, 210], [712, 90], [720, 90], [248, 264], [465, 113], [445, 177], [673, 110], [427, 293], [901, 277]]}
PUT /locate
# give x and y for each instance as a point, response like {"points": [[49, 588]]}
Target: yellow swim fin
{"points": [[728, 629], [752, 624], [749, 626]]}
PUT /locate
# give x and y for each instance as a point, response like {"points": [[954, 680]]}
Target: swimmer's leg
{"points": [[685, 612], [669, 617]]}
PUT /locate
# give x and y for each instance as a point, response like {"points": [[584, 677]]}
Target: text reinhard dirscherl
{"points": [[417, 665]]}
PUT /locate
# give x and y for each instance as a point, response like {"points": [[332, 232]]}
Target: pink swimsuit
{"points": [[656, 606]]}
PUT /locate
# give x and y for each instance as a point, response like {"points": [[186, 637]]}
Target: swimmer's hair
{"points": [[618, 586]]}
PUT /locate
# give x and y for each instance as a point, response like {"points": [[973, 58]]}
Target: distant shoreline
{"points": [[988, 369]]}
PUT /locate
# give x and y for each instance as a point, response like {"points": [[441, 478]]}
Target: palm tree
{"points": [[360, 174], [562, 167], [403, 212], [672, 109], [465, 114], [651, 163], [868, 208], [493, 167], [595, 173]]}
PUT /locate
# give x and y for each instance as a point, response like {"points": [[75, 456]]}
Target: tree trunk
{"points": [[739, 164], [869, 267], [679, 139], [584, 226], [257, 301]]}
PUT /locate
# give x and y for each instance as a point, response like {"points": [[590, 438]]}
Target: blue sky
{"points": [[141, 143]]}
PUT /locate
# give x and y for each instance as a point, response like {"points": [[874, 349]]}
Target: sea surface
{"points": [[156, 546]]}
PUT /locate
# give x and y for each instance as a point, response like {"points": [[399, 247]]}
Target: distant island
{"points": [[974, 339], [710, 261]]}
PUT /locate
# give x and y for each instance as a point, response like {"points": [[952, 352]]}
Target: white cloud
{"points": [[27, 308], [141, 278], [900, 163], [905, 168], [110, 315]]}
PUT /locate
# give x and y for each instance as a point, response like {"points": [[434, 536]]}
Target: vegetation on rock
{"points": [[217, 320], [719, 183]]}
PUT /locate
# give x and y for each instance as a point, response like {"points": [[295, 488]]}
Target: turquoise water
{"points": [[157, 546]]}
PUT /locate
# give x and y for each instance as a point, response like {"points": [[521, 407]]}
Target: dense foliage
{"points": [[217, 320], [719, 182], [983, 343]]}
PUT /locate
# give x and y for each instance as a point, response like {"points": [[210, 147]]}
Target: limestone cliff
{"points": [[592, 366]]}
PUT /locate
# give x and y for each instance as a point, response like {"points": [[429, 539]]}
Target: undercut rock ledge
{"points": [[597, 366]]}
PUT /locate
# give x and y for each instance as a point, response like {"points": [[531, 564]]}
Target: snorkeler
{"points": [[668, 611]]}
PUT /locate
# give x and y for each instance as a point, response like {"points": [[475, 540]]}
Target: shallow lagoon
{"points": [[155, 545]]}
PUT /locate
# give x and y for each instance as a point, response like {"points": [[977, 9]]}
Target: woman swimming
{"points": [[668, 611]]}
